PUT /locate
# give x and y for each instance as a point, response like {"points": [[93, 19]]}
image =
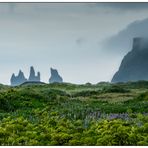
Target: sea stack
{"points": [[19, 79], [55, 77], [32, 76]]}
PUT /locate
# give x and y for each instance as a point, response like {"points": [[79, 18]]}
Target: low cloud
{"points": [[80, 41], [121, 43], [124, 6]]}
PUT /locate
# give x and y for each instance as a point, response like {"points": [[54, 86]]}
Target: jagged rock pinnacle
{"points": [[55, 77]]}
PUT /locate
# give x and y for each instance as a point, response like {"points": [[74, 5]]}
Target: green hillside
{"points": [[69, 114]]}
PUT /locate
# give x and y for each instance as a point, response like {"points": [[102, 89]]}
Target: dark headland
{"points": [[134, 66]]}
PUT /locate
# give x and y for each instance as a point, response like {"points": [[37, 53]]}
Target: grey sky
{"points": [[67, 36]]}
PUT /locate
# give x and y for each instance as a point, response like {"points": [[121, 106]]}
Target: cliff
{"points": [[134, 65]]}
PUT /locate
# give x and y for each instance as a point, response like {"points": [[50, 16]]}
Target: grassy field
{"points": [[69, 114]]}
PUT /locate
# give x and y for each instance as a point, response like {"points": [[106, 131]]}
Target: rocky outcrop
{"points": [[55, 77], [19, 79], [32, 76], [134, 65]]}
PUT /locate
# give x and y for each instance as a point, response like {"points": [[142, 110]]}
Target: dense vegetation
{"points": [[68, 114]]}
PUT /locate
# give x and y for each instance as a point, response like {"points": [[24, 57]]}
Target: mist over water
{"points": [[85, 42]]}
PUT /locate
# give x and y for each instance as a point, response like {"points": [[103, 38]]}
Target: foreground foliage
{"points": [[54, 130], [68, 114]]}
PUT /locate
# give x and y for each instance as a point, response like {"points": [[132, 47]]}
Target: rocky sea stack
{"points": [[20, 78], [134, 66], [55, 77], [32, 76]]}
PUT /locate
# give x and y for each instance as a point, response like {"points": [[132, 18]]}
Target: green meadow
{"points": [[68, 114]]}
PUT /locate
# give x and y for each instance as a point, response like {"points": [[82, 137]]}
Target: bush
{"points": [[115, 89]]}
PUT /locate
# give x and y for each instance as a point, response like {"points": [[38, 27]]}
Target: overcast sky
{"points": [[71, 37]]}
